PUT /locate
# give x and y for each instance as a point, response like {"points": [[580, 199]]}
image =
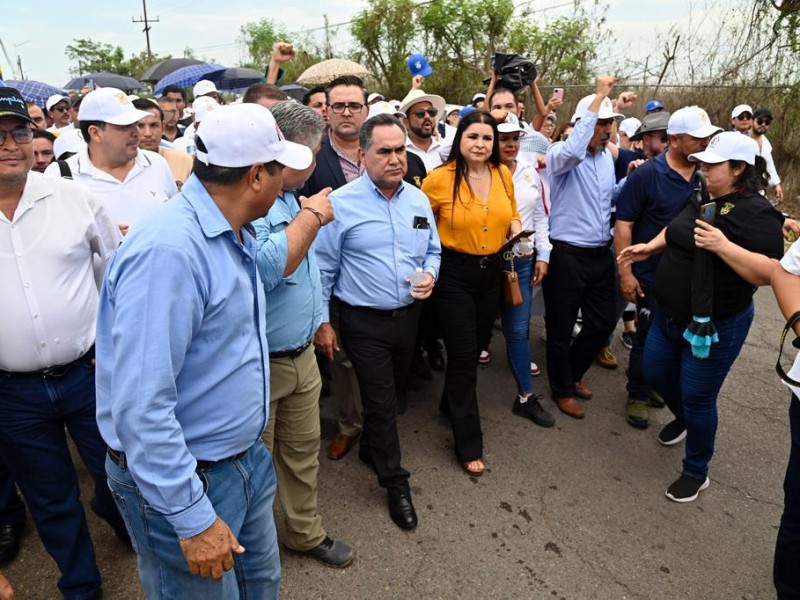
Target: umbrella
{"points": [[104, 79], [294, 91], [34, 91], [328, 70], [187, 76], [235, 78], [165, 67]]}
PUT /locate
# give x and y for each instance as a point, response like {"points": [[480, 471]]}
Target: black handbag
{"points": [[514, 72]]}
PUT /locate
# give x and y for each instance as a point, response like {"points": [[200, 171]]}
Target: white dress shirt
{"points": [[146, 187], [432, 158], [766, 153], [528, 191], [49, 292]]}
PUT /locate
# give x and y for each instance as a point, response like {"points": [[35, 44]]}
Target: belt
{"points": [[50, 372], [480, 261], [118, 458], [291, 353], [397, 312], [580, 251]]}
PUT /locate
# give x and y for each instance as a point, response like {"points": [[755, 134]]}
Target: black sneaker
{"points": [[656, 401], [627, 339], [672, 433], [532, 409], [686, 489]]}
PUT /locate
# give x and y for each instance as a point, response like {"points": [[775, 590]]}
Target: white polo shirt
{"points": [[432, 158], [146, 187], [49, 289]]}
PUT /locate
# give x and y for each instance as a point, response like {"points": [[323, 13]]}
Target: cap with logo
{"points": [[110, 105], [419, 65], [510, 125], [416, 96], [384, 108], [728, 145], [241, 135], [55, 99], [13, 105], [203, 87], [202, 106], [653, 105], [606, 110], [658, 121], [693, 121], [70, 141], [629, 126], [742, 108]]}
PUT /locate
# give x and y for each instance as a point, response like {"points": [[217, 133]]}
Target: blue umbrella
{"points": [[34, 91], [235, 78], [187, 76]]}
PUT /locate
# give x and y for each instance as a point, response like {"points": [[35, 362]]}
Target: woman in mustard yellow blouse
{"points": [[472, 196]]}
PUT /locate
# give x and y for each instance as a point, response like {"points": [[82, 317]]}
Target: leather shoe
{"points": [[402, 510], [10, 536], [570, 406], [583, 391], [329, 552], [341, 445]]}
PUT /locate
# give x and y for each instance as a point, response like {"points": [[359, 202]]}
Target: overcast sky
{"points": [[40, 31]]}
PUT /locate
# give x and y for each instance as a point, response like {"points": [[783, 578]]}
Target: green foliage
{"points": [[260, 38], [94, 56]]}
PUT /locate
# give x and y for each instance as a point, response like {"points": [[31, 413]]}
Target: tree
{"points": [[96, 56], [260, 38]]}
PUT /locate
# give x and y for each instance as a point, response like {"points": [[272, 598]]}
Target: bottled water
{"points": [[416, 278]]}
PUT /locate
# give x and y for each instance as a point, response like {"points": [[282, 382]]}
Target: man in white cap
{"points": [[183, 380], [422, 112], [58, 108], [627, 128], [200, 108], [742, 118], [130, 182], [651, 197], [582, 267], [206, 88]]}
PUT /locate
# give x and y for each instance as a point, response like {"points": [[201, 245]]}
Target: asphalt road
{"points": [[577, 511]]}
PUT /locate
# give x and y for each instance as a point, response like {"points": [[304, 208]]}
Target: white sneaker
{"points": [[484, 358], [535, 370]]}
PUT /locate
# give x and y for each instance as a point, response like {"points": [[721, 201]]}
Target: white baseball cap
{"points": [[384, 108], [510, 125], [478, 96], [374, 96], [629, 126], [241, 135], [55, 99], [693, 121], [728, 145], [203, 87], [606, 110], [202, 106], [742, 108], [110, 105], [69, 141]]}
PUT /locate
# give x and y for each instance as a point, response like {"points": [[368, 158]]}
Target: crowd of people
{"points": [[181, 286]]}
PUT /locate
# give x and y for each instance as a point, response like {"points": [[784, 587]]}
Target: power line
{"points": [[146, 27]]}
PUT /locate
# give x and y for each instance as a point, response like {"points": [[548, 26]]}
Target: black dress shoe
{"points": [[10, 536], [402, 510]]}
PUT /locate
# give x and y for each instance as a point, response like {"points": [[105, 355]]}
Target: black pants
{"points": [[467, 297], [381, 348], [577, 282]]}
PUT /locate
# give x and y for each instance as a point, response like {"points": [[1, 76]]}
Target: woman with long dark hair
{"points": [[472, 196], [704, 296]]}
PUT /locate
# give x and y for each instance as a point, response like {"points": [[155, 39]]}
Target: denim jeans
{"points": [[690, 385], [516, 328], [786, 573], [637, 385], [242, 492], [33, 444]]}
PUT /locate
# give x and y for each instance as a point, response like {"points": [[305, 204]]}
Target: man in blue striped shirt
{"points": [[383, 234]]}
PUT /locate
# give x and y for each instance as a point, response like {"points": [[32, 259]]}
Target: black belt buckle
{"points": [[58, 371]]}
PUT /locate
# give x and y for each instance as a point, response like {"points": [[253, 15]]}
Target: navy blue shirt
{"points": [[624, 158], [652, 196]]}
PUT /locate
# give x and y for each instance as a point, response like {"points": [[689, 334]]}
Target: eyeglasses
{"points": [[23, 135], [353, 107], [420, 113], [744, 117], [764, 121]]}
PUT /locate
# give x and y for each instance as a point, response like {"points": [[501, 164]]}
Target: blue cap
{"points": [[419, 65], [465, 111], [653, 105]]}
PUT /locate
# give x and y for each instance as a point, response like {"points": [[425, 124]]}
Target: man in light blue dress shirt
{"points": [[291, 282], [582, 268], [182, 372], [384, 231]]}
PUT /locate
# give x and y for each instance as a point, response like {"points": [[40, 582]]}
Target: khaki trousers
{"points": [[293, 438]]}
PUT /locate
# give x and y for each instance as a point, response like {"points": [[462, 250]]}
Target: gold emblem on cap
{"points": [[726, 208], [123, 99]]}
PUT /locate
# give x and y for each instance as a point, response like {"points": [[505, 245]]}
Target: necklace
{"points": [[481, 176]]}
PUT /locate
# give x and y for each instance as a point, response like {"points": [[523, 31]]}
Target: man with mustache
{"points": [[130, 182], [582, 269], [422, 111]]}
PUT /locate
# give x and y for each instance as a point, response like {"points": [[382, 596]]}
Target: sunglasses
{"points": [[353, 107], [20, 136], [744, 117], [420, 113], [60, 108], [764, 121]]}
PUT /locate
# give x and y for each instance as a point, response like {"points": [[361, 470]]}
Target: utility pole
{"points": [[19, 65], [328, 50], [146, 27]]}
